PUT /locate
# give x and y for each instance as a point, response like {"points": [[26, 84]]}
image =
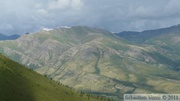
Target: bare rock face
{"points": [[93, 60]]}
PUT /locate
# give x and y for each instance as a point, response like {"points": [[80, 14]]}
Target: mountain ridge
{"points": [[11, 37], [140, 37], [95, 61]]}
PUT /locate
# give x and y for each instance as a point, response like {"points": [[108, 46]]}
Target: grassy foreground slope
{"points": [[18, 83]]}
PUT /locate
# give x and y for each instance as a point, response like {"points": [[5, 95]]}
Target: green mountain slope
{"points": [[18, 83], [168, 48], [95, 61], [165, 42]]}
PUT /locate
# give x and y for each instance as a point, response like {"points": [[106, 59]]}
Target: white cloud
{"points": [[6, 26], [59, 4], [114, 15], [76, 4], [42, 11], [65, 4], [172, 8]]}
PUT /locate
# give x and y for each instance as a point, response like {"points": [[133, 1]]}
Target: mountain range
{"points": [[140, 37], [99, 62], [11, 37]]}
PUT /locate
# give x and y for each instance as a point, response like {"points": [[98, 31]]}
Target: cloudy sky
{"points": [[20, 16]]}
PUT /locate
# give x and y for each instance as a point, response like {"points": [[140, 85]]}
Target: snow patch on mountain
{"points": [[46, 29]]}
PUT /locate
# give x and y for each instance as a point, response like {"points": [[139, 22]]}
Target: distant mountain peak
{"points": [[11, 37], [142, 36]]}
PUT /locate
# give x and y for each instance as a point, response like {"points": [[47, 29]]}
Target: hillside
{"points": [[165, 41], [168, 47], [95, 61], [18, 83]]}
